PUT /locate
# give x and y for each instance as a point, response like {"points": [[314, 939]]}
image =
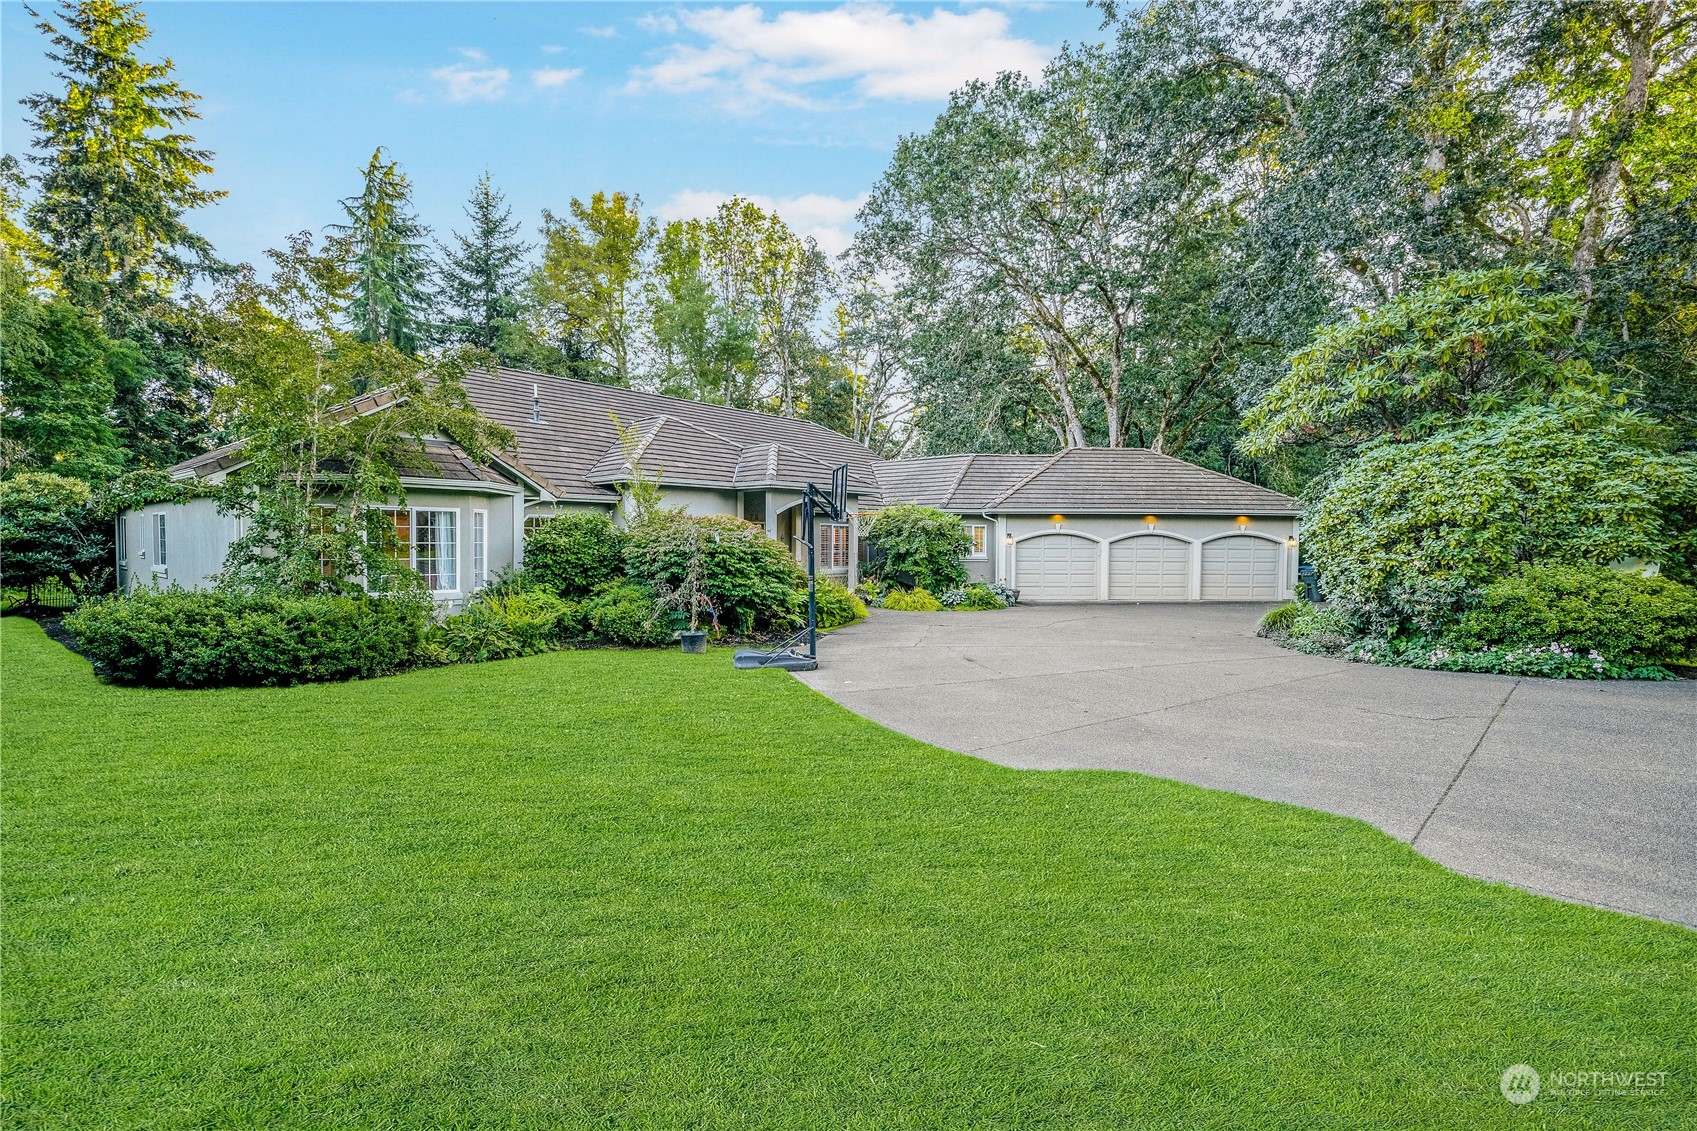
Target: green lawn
{"points": [[622, 889]]}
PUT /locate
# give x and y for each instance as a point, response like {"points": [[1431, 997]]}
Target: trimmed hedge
{"points": [[919, 546], [178, 638], [573, 554]]}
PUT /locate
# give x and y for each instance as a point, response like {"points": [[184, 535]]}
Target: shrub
{"points": [[176, 638], [574, 553], [626, 614], [1561, 484], [837, 606], [751, 580], [920, 545], [500, 626], [1626, 618], [912, 601], [48, 531], [871, 590], [1008, 594], [973, 597]]}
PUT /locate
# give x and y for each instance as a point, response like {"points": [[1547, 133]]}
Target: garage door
{"points": [[1240, 569], [1056, 567], [1149, 568]]}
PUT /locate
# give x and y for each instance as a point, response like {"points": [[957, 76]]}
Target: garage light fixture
{"points": [[1291, 541], [1150, 519], [1243, 520], [1057, 519], [1009, 538]]}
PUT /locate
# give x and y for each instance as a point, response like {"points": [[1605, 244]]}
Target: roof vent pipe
{"points": [[536, 404]]}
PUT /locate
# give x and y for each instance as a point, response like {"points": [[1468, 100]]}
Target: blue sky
{"points": [[796, 105]]}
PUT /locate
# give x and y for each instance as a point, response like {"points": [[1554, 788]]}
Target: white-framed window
{"points": [[980, 535], [427, 540], [535, 522], [159, 547], [479, 548], [833, 539], [435, 549]]}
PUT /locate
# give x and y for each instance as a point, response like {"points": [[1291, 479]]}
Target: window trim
{"points": [[479, 549], [161, 544], [451, 544], [983, 552], [825, 539]]}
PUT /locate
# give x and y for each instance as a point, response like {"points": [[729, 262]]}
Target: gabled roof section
{"points": [[958, 483], [669, 449], [1122, 480], [439, 459], [576, 435]]}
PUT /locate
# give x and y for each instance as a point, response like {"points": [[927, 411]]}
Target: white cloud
{"points": [[751, 59], [549, 77], [828, 219], [473, 54], [552, 48], [465, 84], [599, 32]]}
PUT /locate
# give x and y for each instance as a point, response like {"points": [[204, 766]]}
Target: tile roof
{"points": [[1076, 481], [440, 459], [576, 448]]}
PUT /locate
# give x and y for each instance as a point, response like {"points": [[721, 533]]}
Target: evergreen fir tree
{"points": [[482, 277], [115, 178], [116, 174], [383, 245]]}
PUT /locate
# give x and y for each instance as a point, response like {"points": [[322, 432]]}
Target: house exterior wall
{"points": [[198, 539]]}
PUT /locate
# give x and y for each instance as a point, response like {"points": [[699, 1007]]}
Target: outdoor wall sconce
{"points": [[1150, 519], [1243, 520], [1291, 541], [1057, 519]]}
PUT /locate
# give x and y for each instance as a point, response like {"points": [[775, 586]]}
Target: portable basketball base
{"points": [[788, 656]]}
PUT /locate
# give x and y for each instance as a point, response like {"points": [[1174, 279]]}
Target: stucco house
{"points": [[1083, 525]]}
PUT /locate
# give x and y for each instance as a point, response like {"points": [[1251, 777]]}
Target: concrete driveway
{"points": [[1584, 791]]}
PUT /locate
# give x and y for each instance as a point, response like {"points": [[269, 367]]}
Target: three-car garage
{"points": [[1109, 524], [1063, 565]]}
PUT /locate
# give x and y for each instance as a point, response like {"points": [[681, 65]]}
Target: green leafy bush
{"points": [[912, 601], [837, 606], [500, 626], [626, 614], [1564, 484], [176, 638], [573, 554], [48, 531], [1623, 616], [919, 546], [751, 580], [972, 598]]}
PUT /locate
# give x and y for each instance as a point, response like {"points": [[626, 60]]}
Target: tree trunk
{"points": [[1605, 180]]}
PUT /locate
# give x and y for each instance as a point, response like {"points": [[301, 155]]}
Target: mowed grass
{"points": [[620, 889]]}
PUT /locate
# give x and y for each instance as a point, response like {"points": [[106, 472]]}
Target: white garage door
{"points": [[1240, 569], [1056, 567], [1149, 568]]}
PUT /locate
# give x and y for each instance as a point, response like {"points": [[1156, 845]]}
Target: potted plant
{"points": [[691, 597]]}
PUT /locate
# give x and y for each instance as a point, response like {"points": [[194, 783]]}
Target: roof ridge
{"points": [[1046, 465], [965, 465], [1228, 477]]}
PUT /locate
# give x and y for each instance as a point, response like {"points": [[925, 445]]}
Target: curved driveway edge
{"points": [[1584, 791]]}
